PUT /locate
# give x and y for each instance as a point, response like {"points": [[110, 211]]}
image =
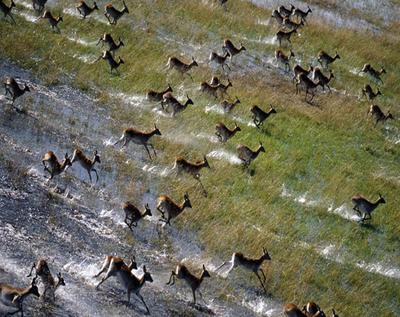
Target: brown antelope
{"points": [[53, 166], [38, 5], [112, 264], [228, 106], [224, 88], [282, 35], [277, 16], [210, 89], [167, 206], [139, 137], [14, 296], [286, 12], [107, 55], [214, 81], [7, 9], [133, 214], [251, 264], [376, 112], [13, 89], [312, 309], [53, 21], [292, 25], [194, 282], [219, 59], [172, 102], [86, 163], [297, 70], [232, 49], [84, 9], [182, 67], [129, 281], [364, 207], [112, 45], [112, 14], [224, 133], [284, 59], [259, 115], [369, 93], [307, 84], [291, 310], [246, 155], [324, 80], [325, 59], [42, 270], [302, 14], [158, 96], [375, 74], [182, 165]]}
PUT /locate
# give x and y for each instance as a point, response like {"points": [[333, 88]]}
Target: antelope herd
{"points": [[306, 79]]}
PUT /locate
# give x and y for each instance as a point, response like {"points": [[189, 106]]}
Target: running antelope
{"points": [[278, 17], [219, 59], [232, 49], [167, 206], [375, 74], [307, 84], [210, 89], [172, 102], [246, 155], [284, 59], [259, 115], [182, 67], [224, 133], [13, 89], [325, 59], [224, 88], [214, 81], [194, 282], [286, 12], [282, 35], [139, 137], [312, 309], [291, 310], [324, 80], [112, 14], [292, 25], [251, 264], [133, 214], [14, 296], [302, 14], [42, 270], [364, 207], [52, 20], [297, 70], [228, 106], [369, 93], [53, 166], [112, 264], [182, 165], [111, 61], [84, 9], [112, 45], [86, 163], [376, 112], [158, 96], [38, 5], [7, 9]]}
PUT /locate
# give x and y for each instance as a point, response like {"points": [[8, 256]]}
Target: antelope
{"points": [[194, 282], [251, 264], [13, 89], [365, 207], [259, 115], [112, 14], [208, 88], [219, 59], [86, 163], [282, 35], [111, 61], [302, 14], [112, 45], [14, 296], [376, 112], [223, 133], [369, 93], [278, 17], [286, 12], [182, 67], [53, 166], [38, 5], [291, 310], [7, 10], [214, 81], [224, 88], [376, 74], [305, 82], [52, 20], [246, 155], [42, 270], [228, 106], [292, 25], [112, 264], [172, 102], [194, 169], [325, 59], [133, 214], [232, 49], [84, 9], [167, 206], [312, 309], [139, 137], [324, 80], [297, 70], [284, 59], [129, 281], [158, 96], [334, 313]]}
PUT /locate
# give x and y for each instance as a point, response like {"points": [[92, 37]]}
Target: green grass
{"points": [[330, 152]]}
